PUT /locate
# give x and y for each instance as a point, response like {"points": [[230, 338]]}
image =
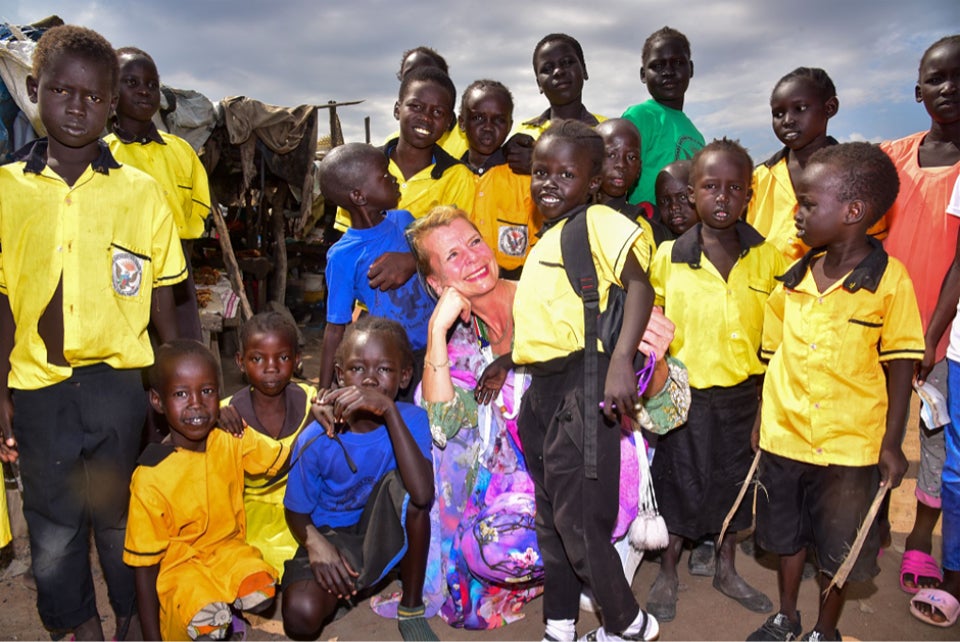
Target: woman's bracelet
{"points": [[437, 366]]}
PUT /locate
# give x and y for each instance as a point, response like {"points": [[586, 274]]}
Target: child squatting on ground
{"points": [[75, 304], [186, 531], [576, 513], [842, 334], [360, 487]]}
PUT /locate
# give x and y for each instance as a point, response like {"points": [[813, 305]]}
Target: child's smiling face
{"points": [[800, 113], [720, 188], [189, 398], [562, 177], [938, 86], [560, 74], [424, 112]]}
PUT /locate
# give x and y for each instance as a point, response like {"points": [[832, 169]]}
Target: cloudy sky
{"points": [[290, 52]]}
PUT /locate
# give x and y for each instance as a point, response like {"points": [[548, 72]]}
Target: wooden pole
{"points": [[840, 578], [279, 228], [230, 261], [736, 503]]}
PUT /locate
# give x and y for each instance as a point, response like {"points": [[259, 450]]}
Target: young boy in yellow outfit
{"points": [[186, 534], [842, 334]]}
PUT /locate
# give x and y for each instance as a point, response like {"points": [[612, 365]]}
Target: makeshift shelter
{"points": [[261, 160]]}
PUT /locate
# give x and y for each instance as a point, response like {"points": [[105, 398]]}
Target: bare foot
{"points": [[662, 599], [735, 587], [931, 613]]}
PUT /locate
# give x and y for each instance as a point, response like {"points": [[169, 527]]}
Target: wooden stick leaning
{"points": [[840, 578], [230, 261], [740, 495]]}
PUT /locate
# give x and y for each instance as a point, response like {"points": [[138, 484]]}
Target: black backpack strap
{"points": [[578, 263]]}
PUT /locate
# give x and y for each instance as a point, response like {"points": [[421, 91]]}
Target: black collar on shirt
{"points": [[295, 398], [34, 155], [152, 135], [548, 224], [584, 117], [495, 159], [155, 453], [687, 249], [629, 210], [866, 275], [779, 156], [442, 161]]}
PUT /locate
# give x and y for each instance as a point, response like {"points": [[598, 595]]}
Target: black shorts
{"points": [[801, 504], [698, 468], [373, 546]]}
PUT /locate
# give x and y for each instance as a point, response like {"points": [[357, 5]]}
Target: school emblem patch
{"points": [[127, 272], [512, 240]]}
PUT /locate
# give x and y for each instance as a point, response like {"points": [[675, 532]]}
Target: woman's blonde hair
{"points": [[439, 216]]}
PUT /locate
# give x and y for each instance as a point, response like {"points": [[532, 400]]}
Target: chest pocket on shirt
{"points": [[861, 343], [128, 271]]}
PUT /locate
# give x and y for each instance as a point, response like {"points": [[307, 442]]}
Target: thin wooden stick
{"points": [[736, 503], [230, 261], [840, 578]]}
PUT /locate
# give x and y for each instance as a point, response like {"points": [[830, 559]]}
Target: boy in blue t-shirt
{"points": [[360, 487], [355, 176]]}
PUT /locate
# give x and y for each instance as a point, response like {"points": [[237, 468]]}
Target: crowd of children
{"points": [[815, 287]]}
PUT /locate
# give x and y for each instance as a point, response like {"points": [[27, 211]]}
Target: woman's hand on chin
{"points": [[451, 306]]}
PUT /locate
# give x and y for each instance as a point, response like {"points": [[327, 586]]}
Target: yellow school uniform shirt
{"points": [[773, 206], [718, 322], [504, 212], [446, 182], [263, 494], [112, 238], [539, 124], [548, 314], [825, 393], [173, 163], [186, 514]]}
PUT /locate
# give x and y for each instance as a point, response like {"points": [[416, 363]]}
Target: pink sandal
{"points": [[917, 565]]}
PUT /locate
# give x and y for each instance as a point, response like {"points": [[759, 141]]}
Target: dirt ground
{"points": [[877, 610]]}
